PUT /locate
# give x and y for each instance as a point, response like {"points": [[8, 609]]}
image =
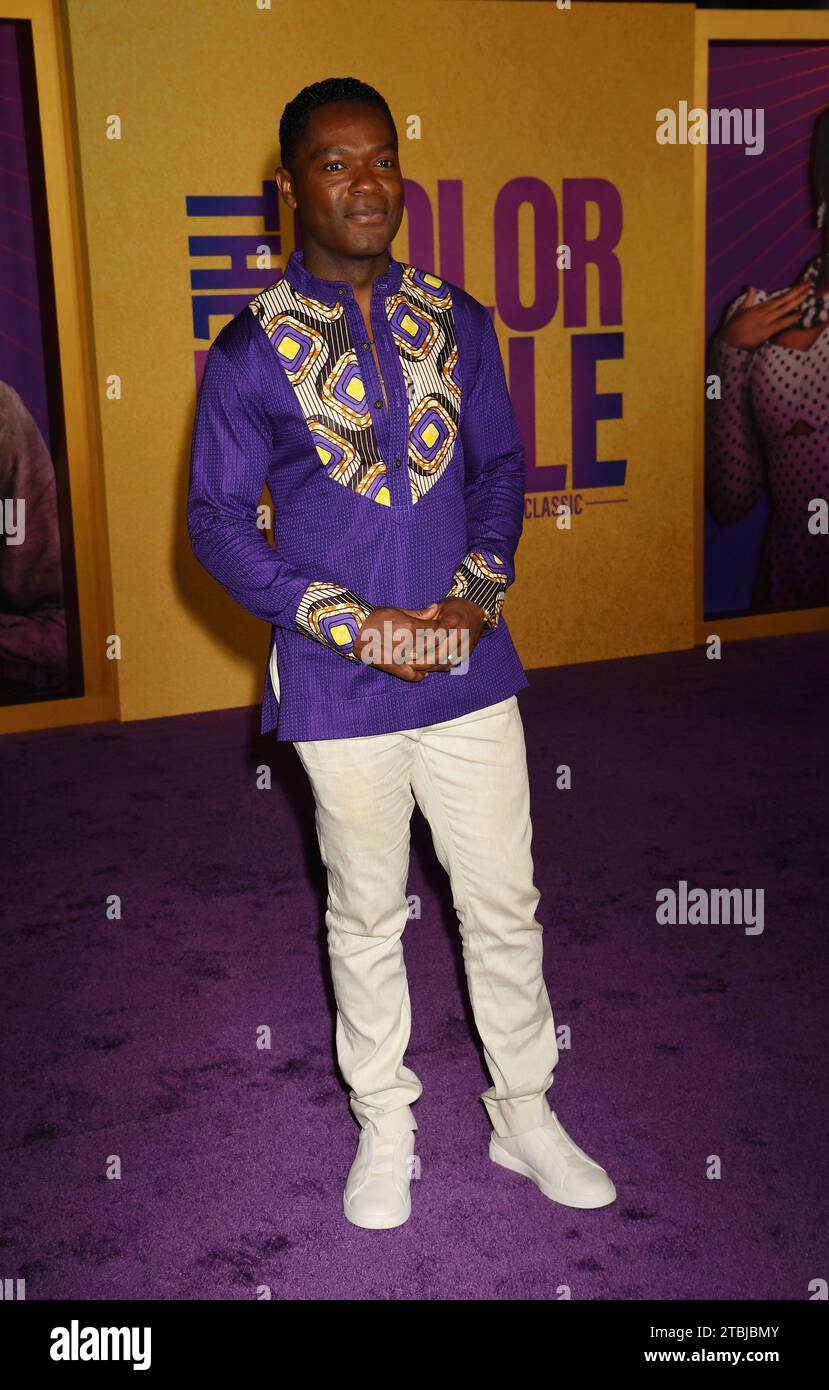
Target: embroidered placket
{"points": [[391, 423], [397, 424]]}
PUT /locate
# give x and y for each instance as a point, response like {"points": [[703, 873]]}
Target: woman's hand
{"points": [[753, 324]]}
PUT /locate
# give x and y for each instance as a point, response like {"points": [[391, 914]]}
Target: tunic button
{"points": [[364, 346], [340, 292], [397, 463], [378, 405]]}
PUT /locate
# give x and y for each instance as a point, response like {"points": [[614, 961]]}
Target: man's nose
{"points": [[367, 178]]}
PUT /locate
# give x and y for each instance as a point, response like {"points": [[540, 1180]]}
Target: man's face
{"points": [[347, 186]]}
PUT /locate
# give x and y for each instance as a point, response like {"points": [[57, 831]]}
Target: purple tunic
{"points": [[375, 506]]}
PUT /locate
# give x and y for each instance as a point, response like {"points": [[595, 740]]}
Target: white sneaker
{"points": [[376, 1192], [557, 1166]]}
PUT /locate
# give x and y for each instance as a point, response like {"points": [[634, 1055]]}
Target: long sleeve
{"points": [[230, 457], [494, 484], [734, 456]]}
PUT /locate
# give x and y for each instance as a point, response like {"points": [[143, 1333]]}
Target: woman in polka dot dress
{"points": [[770, 427]]}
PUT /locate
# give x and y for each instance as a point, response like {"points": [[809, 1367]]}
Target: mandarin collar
{"points": [[327, 291]]}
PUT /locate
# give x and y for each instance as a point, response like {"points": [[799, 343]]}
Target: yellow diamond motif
{"points": [[430, 434], [383, 497], [289, 347], [432, 280], [341, 634], [355, 389], [326, 455], [409, 324]]}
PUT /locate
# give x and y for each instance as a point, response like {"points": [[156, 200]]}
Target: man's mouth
{"points": [[367, 215]]}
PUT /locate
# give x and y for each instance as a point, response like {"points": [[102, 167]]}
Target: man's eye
{"points": [[331, 163]]}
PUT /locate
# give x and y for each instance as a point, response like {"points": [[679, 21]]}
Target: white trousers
{"points": [[469, 778]]}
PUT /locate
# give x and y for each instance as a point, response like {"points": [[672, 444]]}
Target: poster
{"points": [[39, 630], [767, 373]]}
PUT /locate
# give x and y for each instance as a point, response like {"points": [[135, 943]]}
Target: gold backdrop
{"points": [[484, 93]]}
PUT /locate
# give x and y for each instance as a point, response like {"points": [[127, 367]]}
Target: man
{"points": [[371, 397]]}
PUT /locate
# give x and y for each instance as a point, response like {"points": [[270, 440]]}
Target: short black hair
{"points": [[293, 124]]}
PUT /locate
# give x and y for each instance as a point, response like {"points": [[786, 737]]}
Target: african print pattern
{"points": [[333, 615], [311, 341], [482, 578]]}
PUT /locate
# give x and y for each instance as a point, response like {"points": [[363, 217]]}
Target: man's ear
{"points": [[284, 180]]}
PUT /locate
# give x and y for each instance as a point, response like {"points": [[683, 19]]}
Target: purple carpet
{"points": [[134, 1041]]}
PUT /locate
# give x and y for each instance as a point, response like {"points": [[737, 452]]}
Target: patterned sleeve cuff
{"points": [[333, 615], [482, 578]]}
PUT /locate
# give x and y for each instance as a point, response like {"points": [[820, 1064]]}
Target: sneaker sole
{"points": [[377, 1223], [555, 1194]]}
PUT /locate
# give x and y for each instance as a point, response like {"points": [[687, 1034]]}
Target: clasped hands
{"points": [[375, 642]]}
